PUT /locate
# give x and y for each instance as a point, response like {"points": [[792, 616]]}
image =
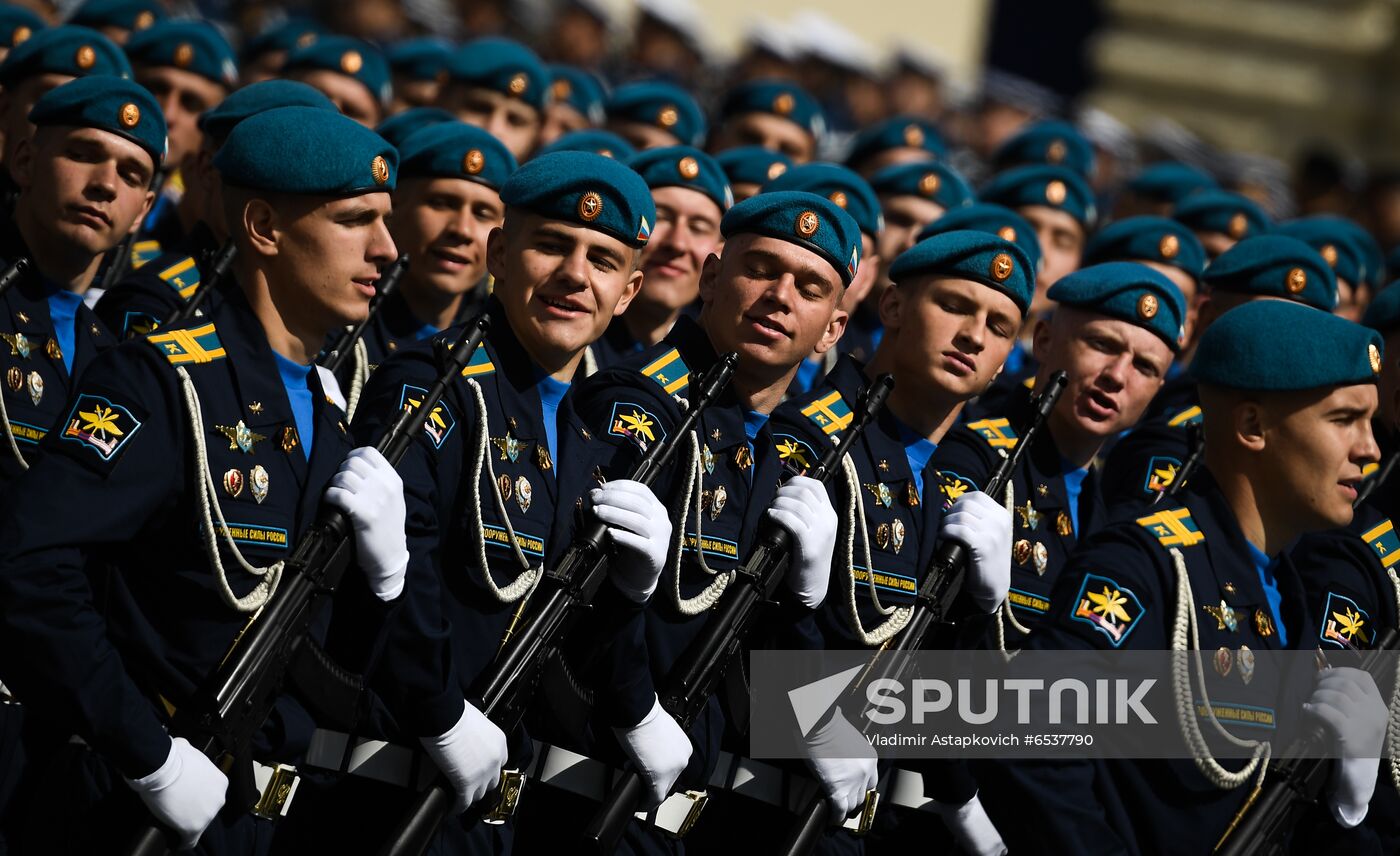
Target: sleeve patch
{"points": [[194, 345], [1189, 416], [1161, 472], [439, 423], [183, 277], [829, 413], [635, 423], [997, 432], [1109, 608], [1384, 543], [138, 324], [98, 424], [953, 485], [1344, 623], [1173, 528], [669, 372], [794, 454]]}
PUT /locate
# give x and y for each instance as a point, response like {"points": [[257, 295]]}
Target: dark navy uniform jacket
{"points": [[1043, 533], [37, 384], [452, 624], [156, 290], [615, 345], [1119, 592], [117, 483], [1146, 462], [1016, 376]]}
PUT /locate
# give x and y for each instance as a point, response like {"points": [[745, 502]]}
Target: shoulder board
{"points": [[480, 363], [997, 432], [143, 252], [1382, 539], [182, 276], [830, 412], [1173, 528], [669, 372], [1189, 416], [193, 345]]}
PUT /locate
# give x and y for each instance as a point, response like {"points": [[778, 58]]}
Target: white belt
{"points": [[370, 759]]}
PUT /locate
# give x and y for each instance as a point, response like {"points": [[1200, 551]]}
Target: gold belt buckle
{"points": [[697, 805], [867, 812], [275, 794], [512, 782]]}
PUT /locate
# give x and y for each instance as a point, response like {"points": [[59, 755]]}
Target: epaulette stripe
{"points": [[197, 345], [1185, 416], [829, 412], [173, 275], [1385, 547], [670, 371], [480, 363], [1173, 528], [143, 252], [997, 432]]}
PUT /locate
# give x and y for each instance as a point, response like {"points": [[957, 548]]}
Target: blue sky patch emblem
{"points": [[1161, 472], [1107, 607], [439, 423], [1344, 624], [100, 425], [636, 423]]}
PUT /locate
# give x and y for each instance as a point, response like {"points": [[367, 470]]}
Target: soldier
{"points": [[1287, 434], [84, 186], [417, 68], [264, 54], [1115, 332], [691, 195], [594, 140], [576, 103], [489, 483], [950, 320], [775, 114], [1050, 142], [17, 24], [1159, 188], [1220, 219], [897, 140], [912, 195], [216, 441], [118, 20], [751, 167], [400, 126], [1351, 252], [501, 87], [352, 73], [653, 114], [159, 288], [1059, 203], [1148, 461]]}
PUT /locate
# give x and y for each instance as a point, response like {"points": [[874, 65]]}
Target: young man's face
{"points": [[643, 136], [686, 233], [771, 132], [773, 302], [1114, 369], [349, 95], [512, 121], [15, 104], [410, 92], [950, 336], [560, 284], [329, 257], [561, 118], [443, 224], [183, 96], [1061, 248], [88, 187], [905, 217]]}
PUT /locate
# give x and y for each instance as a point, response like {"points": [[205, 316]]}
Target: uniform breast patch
{"points": [[1173, 528], [997, 432], [439, 424], [98, 424], [635, 423], [669, 372], [829, 413], [1344, 623], [1109, 608]]}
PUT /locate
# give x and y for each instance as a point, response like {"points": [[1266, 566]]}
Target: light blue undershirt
{"points": [[425, 332], [1074, 486], [63, 310], [753, 423], [917, 450], [294, 380], [1264, 566], [808, 373], [551, 393]]}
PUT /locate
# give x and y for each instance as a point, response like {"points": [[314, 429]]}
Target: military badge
{"points": [[882, 536], [708, 459], [289, 439], [1021, 552], [53, 350], [524, 493], [1109, 608], [233, 483], [36, 388], [508, 446], [14, 379], [1245, 659], [1263, 623], [505, 487], [911, 494], [542, 458], [1224, 661], [258, 482], [1030, 517], [19, 344], [240, 437], [881, 493], [1064, 526], [1040, 557], [1344, 623], [1225, 616], [100, 425], [897, 535], [439, 423], [743, 458], [635, 423]]}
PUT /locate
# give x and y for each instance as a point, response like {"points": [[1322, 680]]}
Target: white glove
{"points": [[1350, 707], [637, 522], [370, 493], [983, 526], [658, 748], [971, 828], [471, 755], [185, 793], [804, 510], [844, 780]]}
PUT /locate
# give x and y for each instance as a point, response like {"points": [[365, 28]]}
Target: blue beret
{"points": [[352, 57], [295, 32], [1275, 266], [1341, 243], [1383, 313], [1170, 181], [966, 254], [933, 181], [400, 126], [420, 59], [753, 164], [17, 24], [307, 151], [1148, 239], [1049, 141], [76, 51], [839, 184], [988, 217], [1281, 346], [111, 104], [504, 66], [810, 221], [683, 166], [898, 132], [585, 189], [781, 98], [1222, 211], [126, 14], [257, 97], [662, 105], [1052, 186], [1129, 291], [580, 90], [594, 140], [190, 45], [456, 150]]}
